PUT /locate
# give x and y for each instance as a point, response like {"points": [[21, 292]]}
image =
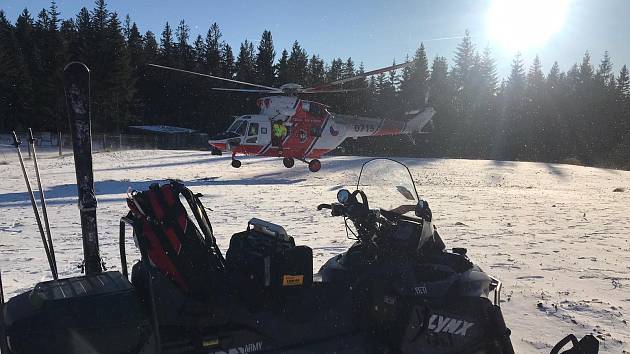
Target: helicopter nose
{"points": [[221, 145]]}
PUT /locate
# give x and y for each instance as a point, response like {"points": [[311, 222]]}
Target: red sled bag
{"points": [[172, 242]]}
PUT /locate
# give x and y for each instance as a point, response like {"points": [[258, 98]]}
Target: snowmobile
{"points": [[397, 289]]}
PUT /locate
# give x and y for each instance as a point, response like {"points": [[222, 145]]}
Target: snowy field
{"points": [[557, 235]]}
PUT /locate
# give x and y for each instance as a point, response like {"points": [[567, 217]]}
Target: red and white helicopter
{"points": [[293, 128]]}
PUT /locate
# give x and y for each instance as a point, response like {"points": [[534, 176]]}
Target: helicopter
{"points": [[294, 128]]}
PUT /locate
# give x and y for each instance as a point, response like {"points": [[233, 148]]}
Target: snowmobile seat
{"points": [[171, 242], [174, 307], [102, 310]]}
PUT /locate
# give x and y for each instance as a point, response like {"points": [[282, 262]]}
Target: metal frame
{"points": [[124, 221], [496, 286]]}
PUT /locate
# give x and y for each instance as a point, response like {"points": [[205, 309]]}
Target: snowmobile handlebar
{"points": [[349, 206], [337, 209]]}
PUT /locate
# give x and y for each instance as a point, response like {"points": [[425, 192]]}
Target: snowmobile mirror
{"points": [[405, 193], [343, 196], [423, 211]]}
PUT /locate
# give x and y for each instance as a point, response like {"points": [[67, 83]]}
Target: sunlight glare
{"points": [[522, 24]]}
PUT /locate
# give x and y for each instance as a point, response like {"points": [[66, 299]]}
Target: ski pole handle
{"points": [[16, 141], [324, 206], [31, 140]]}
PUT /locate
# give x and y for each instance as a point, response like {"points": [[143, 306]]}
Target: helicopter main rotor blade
{"points": [[360, 76], [332, 91], [213, 77], [246, 90]]}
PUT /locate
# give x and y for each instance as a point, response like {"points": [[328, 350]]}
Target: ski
{"points": [[77, 90]]}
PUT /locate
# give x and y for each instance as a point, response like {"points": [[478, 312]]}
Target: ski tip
{"points": [[76, 65]]}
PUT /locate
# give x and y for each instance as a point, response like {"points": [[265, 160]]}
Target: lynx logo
{"points": [[247, 348], [439, 323], [421, 290]]}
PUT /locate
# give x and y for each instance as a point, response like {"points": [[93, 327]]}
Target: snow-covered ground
{"points": [[557, 235]]}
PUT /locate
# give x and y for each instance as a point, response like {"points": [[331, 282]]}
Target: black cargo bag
{"points": [[264, 259]]}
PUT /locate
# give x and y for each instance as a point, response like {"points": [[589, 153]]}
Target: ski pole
{"points": [[42, 199], [4, 347], [16, 144]]}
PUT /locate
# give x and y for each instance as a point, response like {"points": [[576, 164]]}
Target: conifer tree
{"points": [[214, 49], [335, 70], [117, 100], [227, 64], [150, 47], [245, 62], [14, 81], [265, 73], [605, 71], [623, 113], [183, 48], [297, 63], [623, 84], [511, 140], [135, 49], [464, 60], [414, 81], [553, 78], [405, 76], [586, 71], [26, 55], [316, 71], [348, 68], [488, 69], [199, 54], [553, 99], [167, 45], [82, 42], [282, 68], [137, 65], [535, 79]]}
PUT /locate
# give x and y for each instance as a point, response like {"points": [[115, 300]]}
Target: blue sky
{"points": [[376, 32]]}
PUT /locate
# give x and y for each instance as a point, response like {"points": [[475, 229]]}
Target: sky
{"points": [[378, 32]]}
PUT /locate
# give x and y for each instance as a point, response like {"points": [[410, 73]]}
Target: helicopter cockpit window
{"points": [[239, 127], [234, 126], [306, 106], [252, 133], [242, 129]]}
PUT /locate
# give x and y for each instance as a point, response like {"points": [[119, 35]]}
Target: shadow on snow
{"points": [[67, 193]]}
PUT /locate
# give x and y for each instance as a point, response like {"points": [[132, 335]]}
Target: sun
{"points": [[517, 25]]}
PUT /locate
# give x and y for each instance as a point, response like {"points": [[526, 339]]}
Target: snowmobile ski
{"points": [[77, 90]]}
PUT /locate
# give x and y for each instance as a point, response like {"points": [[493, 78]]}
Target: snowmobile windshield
{"points": [[388, 185]]}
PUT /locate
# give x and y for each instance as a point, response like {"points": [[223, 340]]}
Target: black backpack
{"points": [[171, 242]]}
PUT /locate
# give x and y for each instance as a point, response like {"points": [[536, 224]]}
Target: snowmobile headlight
{"points": [[343, 196]]}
